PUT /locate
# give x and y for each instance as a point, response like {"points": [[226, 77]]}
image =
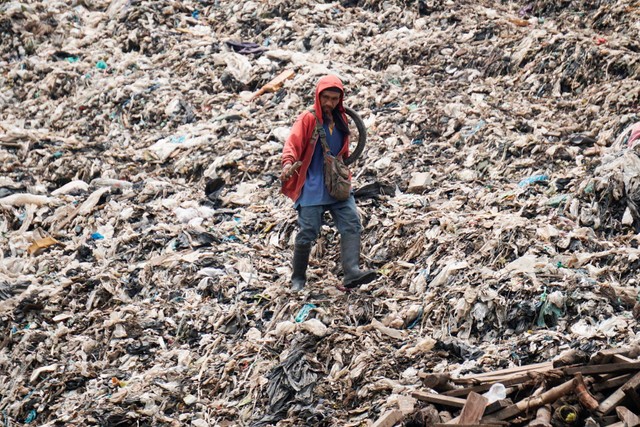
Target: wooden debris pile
{"points": [[573, 390]]}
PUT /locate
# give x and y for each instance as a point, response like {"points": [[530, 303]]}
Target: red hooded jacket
{"points": [[299, 145]]}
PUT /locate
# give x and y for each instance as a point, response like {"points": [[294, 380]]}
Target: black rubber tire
{"points": [[362, 136]]}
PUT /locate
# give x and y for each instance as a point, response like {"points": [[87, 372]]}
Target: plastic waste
{"points": [[275, 84], [41, 244], [558, 200], [245, 48], [533, 179], [71, 187], [304, 312], [97, 236], [107, 182], [497, 392], [237, 65], [101, 65], [285, 328], [551, 308], [24, 199], [31, 416], [315, 327], [468, 133]]}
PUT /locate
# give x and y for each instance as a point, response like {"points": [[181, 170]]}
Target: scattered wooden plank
{"points": [[584, 397], [438, 382], [629, 418], [609, 370], [543, 417], [536, 401], [440, 399], [389, 418], [633, 395], [473, 409], [614, 399], [619, 358], [522, 379], [498, 405], [609, 420], [536, 367], [601, 369], [570, 357], [611, 383], [604, 356], [426, 416], [490, 409]]}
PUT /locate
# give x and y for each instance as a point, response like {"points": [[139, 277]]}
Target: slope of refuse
{"points": [[145, 246]]}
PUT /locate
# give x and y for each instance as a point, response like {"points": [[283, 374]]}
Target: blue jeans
{"points": [[344, 214]]}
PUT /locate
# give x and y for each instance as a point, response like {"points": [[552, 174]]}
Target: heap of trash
{"points": [[145, 247]]}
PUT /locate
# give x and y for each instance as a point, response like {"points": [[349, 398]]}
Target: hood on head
{"points": [[327, 82]]}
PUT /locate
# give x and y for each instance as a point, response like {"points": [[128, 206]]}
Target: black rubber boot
{"points": [[300, 262], [350, 252]]}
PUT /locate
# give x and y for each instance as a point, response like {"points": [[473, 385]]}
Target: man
{"points": [[303, 181]]}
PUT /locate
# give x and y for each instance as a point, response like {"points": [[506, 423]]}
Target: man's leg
{"points": [[309, 220], [345, 214]]}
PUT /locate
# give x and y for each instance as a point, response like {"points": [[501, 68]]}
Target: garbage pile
{"points": [[574, 389], [145, 247]]}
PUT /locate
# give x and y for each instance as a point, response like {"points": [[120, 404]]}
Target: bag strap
{"points": [[319, 131]]}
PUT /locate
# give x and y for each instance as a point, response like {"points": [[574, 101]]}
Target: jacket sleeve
{"points": [[294, 147]]}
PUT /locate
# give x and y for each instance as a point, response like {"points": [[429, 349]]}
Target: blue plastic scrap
{"points": [[533, 179], [304, 312], [468, 133], [97, 236], [417, 319], [32, 416]]}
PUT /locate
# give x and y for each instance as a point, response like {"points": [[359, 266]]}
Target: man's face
{"points": [[329, 100]]}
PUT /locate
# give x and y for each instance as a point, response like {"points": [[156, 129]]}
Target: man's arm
{"points": [[293, 149]]}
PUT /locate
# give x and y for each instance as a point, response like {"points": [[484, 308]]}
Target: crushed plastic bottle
{"points": [[497, 392]]}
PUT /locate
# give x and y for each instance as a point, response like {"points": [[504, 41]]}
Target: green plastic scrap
{"points": [[589, 188], [395, 82], [558, 200], [101, 65], [548, 310]]}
